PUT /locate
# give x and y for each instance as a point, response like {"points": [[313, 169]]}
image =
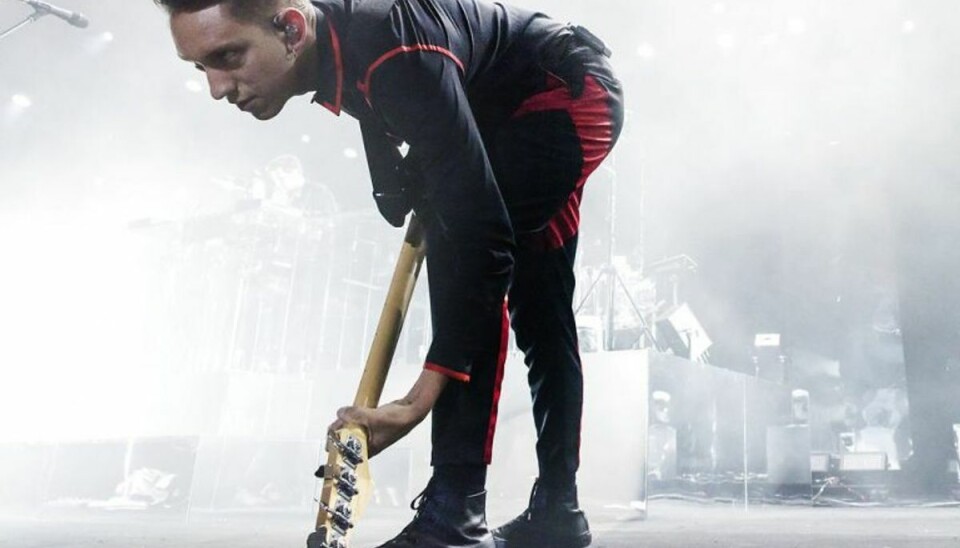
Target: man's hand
{"points": [[384, 425], [388, 423]]}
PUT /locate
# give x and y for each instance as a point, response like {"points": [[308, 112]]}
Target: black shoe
{"points": [[552, 520], [445, 519]]}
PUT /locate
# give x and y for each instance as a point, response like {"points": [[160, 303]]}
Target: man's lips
{"points": [[242, 105]]}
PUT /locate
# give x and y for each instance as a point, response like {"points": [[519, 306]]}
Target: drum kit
{"points": [[280, 282]]}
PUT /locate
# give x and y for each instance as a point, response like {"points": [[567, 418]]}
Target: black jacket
{"points": [[440, 75]]}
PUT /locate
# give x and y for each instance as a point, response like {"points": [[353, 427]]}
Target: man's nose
{"points": [[221, 84]]}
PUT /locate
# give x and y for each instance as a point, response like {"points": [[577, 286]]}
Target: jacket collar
{"points": [[330, 18]]}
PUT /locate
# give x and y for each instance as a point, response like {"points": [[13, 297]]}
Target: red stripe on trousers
{"points": [[501, 360], [594, 123]]}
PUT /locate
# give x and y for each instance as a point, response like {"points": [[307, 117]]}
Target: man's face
{"points": [[245, 62]]}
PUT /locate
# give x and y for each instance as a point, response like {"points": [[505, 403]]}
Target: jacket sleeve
{"points": [[387, 173], [470, 241]]}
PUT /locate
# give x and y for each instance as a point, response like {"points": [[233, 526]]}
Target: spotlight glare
{"points": [[21, 101], [645, 51]]}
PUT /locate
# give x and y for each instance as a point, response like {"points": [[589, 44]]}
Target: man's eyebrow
{"points": [[220, 49]]}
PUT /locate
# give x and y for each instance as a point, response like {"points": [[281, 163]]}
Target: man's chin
{"points": [[264, 115], [268, 111]]}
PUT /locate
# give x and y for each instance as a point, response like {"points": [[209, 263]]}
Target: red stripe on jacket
{"points": [[364, 86]]}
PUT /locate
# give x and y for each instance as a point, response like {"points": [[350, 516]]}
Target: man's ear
{"points": [[293, 24]]}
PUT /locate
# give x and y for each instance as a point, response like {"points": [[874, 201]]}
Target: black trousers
{"points": [[541, 157]]}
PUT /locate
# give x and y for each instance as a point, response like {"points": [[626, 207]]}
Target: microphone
{"points": [[74, 18]]}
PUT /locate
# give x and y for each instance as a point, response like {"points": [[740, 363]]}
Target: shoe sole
{"points": [[582, 541]]}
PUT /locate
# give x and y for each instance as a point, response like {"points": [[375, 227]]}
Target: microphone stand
{"points": [[38, 12], [609, 273]]}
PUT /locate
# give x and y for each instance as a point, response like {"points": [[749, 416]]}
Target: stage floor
{"points": [[668, 524]]}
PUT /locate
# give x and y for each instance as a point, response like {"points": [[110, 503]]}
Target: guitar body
{"points": [[346, 475]]}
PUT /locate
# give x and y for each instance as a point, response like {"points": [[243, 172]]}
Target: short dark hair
{"points": [[244, 10]]}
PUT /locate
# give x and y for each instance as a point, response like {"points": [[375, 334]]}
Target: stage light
{"points": [[645, 51], [351, 153], [193, 86], [95, 44], [305, 139], [21, 101]]}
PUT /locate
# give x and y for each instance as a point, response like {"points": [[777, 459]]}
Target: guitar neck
{"points": [[395, 308]]}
